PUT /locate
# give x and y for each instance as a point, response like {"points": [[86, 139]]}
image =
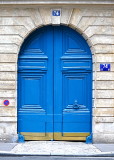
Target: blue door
{"points": [[54, 86]]}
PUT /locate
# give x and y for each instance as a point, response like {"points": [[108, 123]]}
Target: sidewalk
{"points": [[56, 148]]}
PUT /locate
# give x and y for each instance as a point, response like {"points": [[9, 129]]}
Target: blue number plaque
{"points": [[104, 67], [56, 12]]}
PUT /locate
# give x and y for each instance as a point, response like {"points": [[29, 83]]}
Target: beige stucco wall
{"points": [[95, 24]]}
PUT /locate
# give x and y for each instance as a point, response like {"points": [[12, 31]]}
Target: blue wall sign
{"points": [[104, 67], [6, 102], [56, 12]]}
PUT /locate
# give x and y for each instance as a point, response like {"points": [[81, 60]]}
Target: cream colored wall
{"points": [[95, 24]]}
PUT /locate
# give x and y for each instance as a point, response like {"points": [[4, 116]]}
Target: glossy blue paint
{"points": [[55, 82]]}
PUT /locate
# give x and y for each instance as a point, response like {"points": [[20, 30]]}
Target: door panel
{"points": [[54, 87], [33, 86], [72, 96], [35, 89]]}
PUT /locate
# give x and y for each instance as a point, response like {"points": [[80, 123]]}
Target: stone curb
{"points": [[105, 154]]}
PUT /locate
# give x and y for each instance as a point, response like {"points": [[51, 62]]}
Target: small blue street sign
{"points": [[56, 12], [104, 67]]}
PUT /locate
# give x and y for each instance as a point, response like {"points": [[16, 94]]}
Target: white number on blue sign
{"points": [[56, 13], [104, 67]]}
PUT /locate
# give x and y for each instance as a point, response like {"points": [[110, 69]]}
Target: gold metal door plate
{"points": [[37, 136], [55, 136]]}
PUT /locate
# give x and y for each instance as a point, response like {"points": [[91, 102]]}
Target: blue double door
{"points": [[54, 86]]}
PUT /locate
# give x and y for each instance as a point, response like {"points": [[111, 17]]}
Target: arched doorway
{"points": [[55, 86]]}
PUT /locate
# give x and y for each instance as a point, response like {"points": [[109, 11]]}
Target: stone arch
{"points": [[69, 17], [75, 28], [85, 36]]}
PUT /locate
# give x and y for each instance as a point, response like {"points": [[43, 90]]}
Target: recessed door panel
{"points": [[74, 89]]}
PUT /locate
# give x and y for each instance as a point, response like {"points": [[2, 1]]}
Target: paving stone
{"points": [[105, 147], [7, 146]]}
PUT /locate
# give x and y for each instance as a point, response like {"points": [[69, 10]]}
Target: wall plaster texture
{"points": [[95, 24]]}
